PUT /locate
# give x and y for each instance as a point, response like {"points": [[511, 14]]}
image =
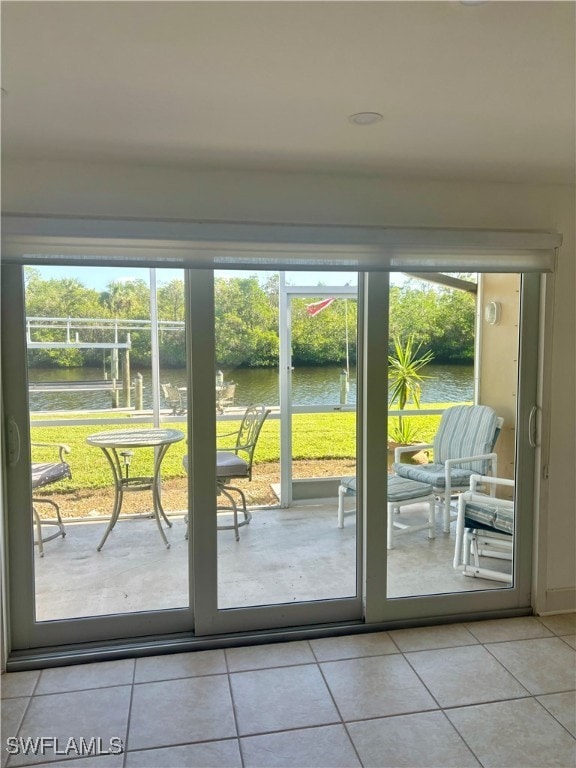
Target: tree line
{"points": [[246, 322]]}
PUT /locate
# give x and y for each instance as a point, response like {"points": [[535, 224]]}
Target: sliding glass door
{"points": [[118, 400], [453, 395], [475, 555], [147, 376], [268, 394], [97, 452]]}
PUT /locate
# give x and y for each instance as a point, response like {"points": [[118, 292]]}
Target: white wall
{"points": [[174, 192]]}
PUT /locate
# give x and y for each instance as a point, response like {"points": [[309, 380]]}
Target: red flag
{"points": [[318, 306]]}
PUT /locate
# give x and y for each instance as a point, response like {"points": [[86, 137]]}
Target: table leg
{"points": [[157, 502], [158, 510], [118, 493]]}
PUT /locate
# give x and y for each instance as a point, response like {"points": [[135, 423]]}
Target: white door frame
{"points": [[214, 247], [287, 293], [209, 620]]}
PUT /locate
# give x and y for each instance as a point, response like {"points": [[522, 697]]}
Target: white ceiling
{"points": [[482, 91]]}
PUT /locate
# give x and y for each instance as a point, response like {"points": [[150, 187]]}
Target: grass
{"points": [[315, 436]]}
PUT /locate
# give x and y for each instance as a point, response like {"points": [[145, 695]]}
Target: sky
{"points": [[99, 277]]}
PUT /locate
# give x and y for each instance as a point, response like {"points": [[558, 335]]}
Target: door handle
{"points": [[12, 443], [533, 427]]}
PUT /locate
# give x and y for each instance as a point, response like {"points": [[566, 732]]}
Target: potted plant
{"points": [[405, 381]]}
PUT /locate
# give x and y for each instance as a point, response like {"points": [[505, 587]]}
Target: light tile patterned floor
{"points": [[492, 693]]}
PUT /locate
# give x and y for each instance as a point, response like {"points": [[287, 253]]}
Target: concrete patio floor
{"points": [[284, 555]]}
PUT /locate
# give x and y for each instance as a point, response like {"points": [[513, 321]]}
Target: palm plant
{"points": [[405, 384]]}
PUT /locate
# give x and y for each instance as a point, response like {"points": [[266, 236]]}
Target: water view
{"points": [[310, 386]]}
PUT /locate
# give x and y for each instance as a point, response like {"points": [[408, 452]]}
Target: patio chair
{"points": [[225, 396], [484, 528], [463, 446], [174, 399], [235, 462], [43, 474]]}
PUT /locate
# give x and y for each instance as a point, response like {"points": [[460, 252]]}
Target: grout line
{"points": [[234, 711], [552, 714], [180, 744], [404, 655], [21, 723], [450, 707], [80, 690], [179, 677], [343, 722], [461, 736], [37, 683], [272, 666], [501, 663], [394, 643], [129, 717], [337, 708]]}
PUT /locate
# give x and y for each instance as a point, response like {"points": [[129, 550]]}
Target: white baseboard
{"points": [[559, 601]]}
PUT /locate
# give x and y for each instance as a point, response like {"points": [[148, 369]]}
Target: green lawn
{"points": [[315, 436]]}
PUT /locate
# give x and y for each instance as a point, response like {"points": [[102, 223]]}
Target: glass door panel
{"points": [[99, 342], [247, 430], [288, 547], [285, 343], [454, 344]]}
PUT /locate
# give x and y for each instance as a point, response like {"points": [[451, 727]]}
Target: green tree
{"points": [[171, 301], [246, 324], [58, 298], [321, 339], [127, 299], [130, 300], [171, 307], [440, 319]]}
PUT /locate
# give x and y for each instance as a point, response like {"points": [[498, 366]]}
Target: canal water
{"points": [[310, 386]]}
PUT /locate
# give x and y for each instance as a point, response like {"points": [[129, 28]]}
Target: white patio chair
{"points": [[463, 446], [484, 528]]}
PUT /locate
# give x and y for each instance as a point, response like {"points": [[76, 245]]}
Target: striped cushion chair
{"points": [[463, 446], [484, 528]]}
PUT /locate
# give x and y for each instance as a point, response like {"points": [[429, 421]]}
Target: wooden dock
{"points": [[95, 385]]}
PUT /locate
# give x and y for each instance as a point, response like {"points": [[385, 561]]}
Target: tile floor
{"points": [[490, 693]]}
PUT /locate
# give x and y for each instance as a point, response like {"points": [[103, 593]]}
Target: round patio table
{"points": [[119, 442]]}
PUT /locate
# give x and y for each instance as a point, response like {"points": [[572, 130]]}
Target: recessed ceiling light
{"points": [[365, 118]]}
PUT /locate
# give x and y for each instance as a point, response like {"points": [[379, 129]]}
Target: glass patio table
{"points": [[119, 443]]}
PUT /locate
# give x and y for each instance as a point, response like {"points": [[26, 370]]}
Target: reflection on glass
{"points": [[468, 532], [91, 355]]}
